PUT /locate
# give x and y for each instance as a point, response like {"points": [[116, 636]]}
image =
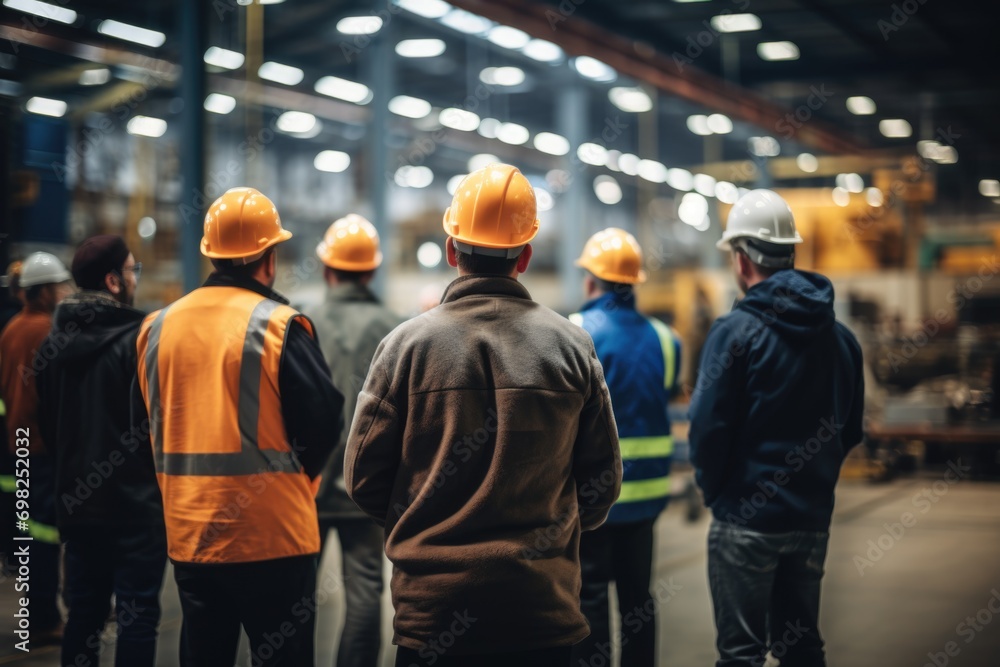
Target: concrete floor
{"points": [[911, 601]]}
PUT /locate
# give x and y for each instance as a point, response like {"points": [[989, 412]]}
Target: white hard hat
{"points": [[760, 215], [41, 268]]}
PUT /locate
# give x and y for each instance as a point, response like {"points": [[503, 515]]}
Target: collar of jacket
{"points": [[611, 301], [350, 292], [95, 297], [217, 279], [491, 285]]}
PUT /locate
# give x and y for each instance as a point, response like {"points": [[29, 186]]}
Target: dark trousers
{"points": [[622, 553], [274, 601], [549, 657], [361, 555], [127, 562], [765, 591], [45, 547]]}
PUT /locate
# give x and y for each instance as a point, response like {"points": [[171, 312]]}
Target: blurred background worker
{"points": [[46, 282], [350, 325], [640, 356], [777, 407], [243, 417], [11, 303], [484, 442], [108, 505]]}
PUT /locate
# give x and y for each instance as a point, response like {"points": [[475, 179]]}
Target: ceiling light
{"points": [[851, 182], [342, 89], [612, 161], [631, 100], [704, 185], [680, 179], [223, 58], [286, 74], [607, 190], [296, 122], [146, 126], [429, 9], [693, 209], [553, 144], [807, 162], [698, 124], [778, 51], [874, 197], [454, 182], [652, 171], [764, 146], [629, 164], [45, 106], [508, 38], [736, 22], [95, 77], [429, 254], [488, 127], [409, 107], [860, 105], [131, 33], [219, 103], [543, 199], [945, 155], [895, 128], [420, 48], [409, 176], [44, 9], [989, 187], [593, 154], [480, 160], [146, 227], [726, 192], [359, 25], [841, 197], [264, 2], [332, 161], [512, 133], [502, 76], [719, 123], [458, 119], [542, 51], [593, 69], [467, 22]]}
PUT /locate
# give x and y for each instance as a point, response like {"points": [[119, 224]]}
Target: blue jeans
{"points": [[126, 562], [765, 591]]}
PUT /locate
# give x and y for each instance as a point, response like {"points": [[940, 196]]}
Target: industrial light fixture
{"points": [[458, 119], [409, 107], [764, 146], [874, 197], [359, 25], [488, 127], [296, 122], [841, 197], [542, 51], [652, 171], [45, 106], [631, 100], [859, 105], [146, 126], [420, 48], [719, 123], [342, 89], [467, 22], [592, 154], [453, 183], [989, 187], [704, 185], [429, 254], [552, 144], [219, 103], [223, 58], [736, 22], [332, 161], [409, 176], [43, 9], [95, 77], [607, 190], [286, 74], [680, 179], [594, 69], [512, 133], [807, 162], [693, 211], [698, 124], [507, 37], [429, 9], [850, 182], [726, 192], [131, 33], [629, 164], [502, 76], [778, 51], [544, 199], [480, 160], [895, 128]]}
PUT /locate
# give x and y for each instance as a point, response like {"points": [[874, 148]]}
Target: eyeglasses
{"points": [[135, 269]]}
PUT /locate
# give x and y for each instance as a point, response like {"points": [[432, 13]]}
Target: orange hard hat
{"points": [[494, 207], [614, 255], [350, 244], [241, 224]]}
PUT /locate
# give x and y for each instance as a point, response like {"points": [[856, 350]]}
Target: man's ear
{"points": [[524, 259], [113, 283], [449, 247]]}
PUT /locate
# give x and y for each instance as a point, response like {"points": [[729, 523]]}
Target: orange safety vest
{"points": [[233, 489]]}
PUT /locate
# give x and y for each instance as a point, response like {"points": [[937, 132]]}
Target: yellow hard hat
{"points": [[614, 255], [494, 207], [350, 244], [241, 224]]}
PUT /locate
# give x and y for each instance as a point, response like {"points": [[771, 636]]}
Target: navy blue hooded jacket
{"points": [[777, 406]]}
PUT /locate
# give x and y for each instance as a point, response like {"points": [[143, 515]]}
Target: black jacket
{"points": [[104, 475], [778, 405]]}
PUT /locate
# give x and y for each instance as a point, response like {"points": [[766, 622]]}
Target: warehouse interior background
{"points": [[877, 121]]}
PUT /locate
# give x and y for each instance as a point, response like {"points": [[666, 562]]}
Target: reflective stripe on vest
{"points": [[250, 459], [644, 489], [8, 483], [667, 345], [647, 447], [43, 532]]}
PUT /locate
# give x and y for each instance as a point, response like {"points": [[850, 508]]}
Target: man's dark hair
{"points": [[350, 276], [612, 287], [34, 293], [485, 264], [241, 271]]}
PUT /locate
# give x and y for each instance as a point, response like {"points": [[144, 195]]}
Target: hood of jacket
{"points": [[89, 321], [796, 304]]}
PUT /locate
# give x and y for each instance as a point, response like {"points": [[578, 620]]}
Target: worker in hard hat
{"points": [[484, 442], [242, 418], [778, 404], [45, 282], [83, 400], [641, 357], [350, 324], [11, 303]]}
